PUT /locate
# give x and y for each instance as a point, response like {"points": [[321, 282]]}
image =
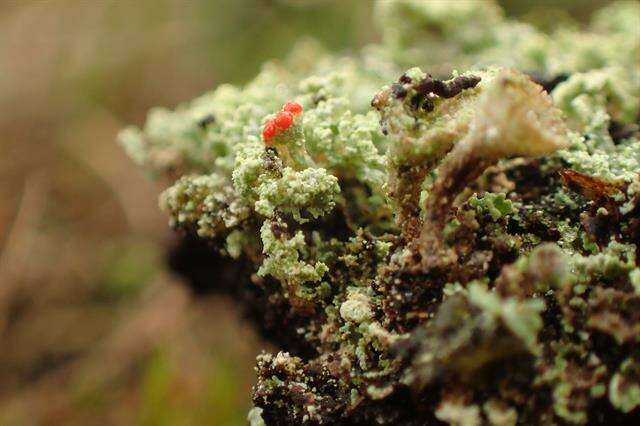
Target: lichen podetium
{"points": [[431, 246]]}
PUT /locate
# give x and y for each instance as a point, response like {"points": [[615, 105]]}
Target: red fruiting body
{"points": [[292, 107], [283, 120], [269, 131]]}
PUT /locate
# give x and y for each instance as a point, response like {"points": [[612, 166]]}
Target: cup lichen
{"points": [[454, 247]]}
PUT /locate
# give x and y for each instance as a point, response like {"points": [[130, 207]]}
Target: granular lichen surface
{"points": [[444, 228]]}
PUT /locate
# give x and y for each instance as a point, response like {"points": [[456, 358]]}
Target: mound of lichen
{"points": [[443, 247]]}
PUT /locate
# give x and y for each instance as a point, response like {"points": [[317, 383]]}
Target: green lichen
{"points": [[311, 191], [285, 259], [521, 318], [471, 236], [495, 205], [205, 204], [624, 389]]}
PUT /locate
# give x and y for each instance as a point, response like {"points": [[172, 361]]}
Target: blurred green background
{"points": [[93, 327]]}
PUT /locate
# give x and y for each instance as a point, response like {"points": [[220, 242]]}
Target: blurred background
{"points": [[93, 326]]}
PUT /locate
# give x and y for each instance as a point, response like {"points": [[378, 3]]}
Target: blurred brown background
{"points": [[93, 327]]}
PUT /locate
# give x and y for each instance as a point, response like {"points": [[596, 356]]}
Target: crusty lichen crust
{"points": [[452, 247]]}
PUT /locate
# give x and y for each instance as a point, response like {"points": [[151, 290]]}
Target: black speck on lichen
{"points": [[206, 121]]}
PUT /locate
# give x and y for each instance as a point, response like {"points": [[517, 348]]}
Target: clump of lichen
{"points": [[453, 247]]}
